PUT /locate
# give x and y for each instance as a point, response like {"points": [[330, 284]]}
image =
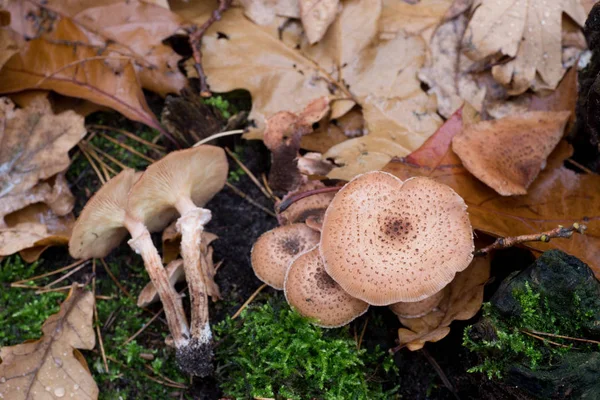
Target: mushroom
{"points": [[275, 249], [385, 241], [305, 207], [182, 182], [417, 309], [102, 226], [315, 295], [149, 294], [507, 154]]}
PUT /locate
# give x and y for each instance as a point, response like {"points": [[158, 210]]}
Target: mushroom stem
{"points": [[142, 244]]}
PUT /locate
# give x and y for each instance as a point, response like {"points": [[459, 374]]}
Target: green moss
{"points": [[511, 345], [21, 310], [273, 352], [223, 106]]}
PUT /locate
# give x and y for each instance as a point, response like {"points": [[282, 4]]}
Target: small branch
{"points": [[248, 172], [250, 200], [546, 340], [559, 232], [252, 297], [195, 39], [562, 336]]}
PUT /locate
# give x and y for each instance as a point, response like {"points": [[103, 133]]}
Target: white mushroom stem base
{"points": [[142, 244], [191, 225]]}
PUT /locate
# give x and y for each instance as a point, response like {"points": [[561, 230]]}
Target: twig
{"points": [[195, 39], [362, 333], [129, 135], [58, 289], [546, 340], [559, 232], [100, 341], [563, 337], [126, 147], [105, 167], [65, 276], [263, 176], [165, 382], [581, 167], [94, 167], [57, 271], [249, 200], [106, 155], [218, 135], [256, 292], [115, 280], [249, 173], [440, 372], [143, 328]]}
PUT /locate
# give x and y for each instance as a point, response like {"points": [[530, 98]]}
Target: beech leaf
{"points": [[558, 196], [52, 367]]}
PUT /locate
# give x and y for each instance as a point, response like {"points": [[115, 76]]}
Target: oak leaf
{"points": [[527, 31], [264, 12], [414, 18], [316, 17], [558, 196], [52, 366]]}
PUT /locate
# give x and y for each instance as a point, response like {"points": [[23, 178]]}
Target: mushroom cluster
{"points": [[140, 203], [378, 241]]}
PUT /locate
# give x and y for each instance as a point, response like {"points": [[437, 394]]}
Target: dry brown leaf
{"points": [[133, 29], [557, 196], [34, 226], [264, 12], [9, 45], [34, 144], [414, 18], [527, 31], [58, 102], [52, 366], [76, 71], [333, 131], [461, 303], [316, 17], [507, 154]]}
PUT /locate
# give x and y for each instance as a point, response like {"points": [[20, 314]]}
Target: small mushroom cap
{"points": [[100, 226], [315, 295], [417, 309], [275, 249], [386, 241], [197, 174], [301, 209], [507, 154]]}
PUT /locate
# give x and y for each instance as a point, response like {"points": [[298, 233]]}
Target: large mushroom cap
{"points": [[386, 241], [315, 295], [99, 228], [417, 309], [275, 249], [197, 173], [507, 154]]}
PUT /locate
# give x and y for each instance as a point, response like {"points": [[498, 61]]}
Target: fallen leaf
{"points": [[527, 31], [9, 44], [316, 16], [53, 367], [557, 196], [414, 18], [461, 303], [34, 144], [149, 294], [332, 131], [34, 226], [58, 102], [507, 154], [263, 12], [133, 29]]}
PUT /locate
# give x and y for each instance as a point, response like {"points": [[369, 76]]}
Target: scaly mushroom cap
{"points": [[315, 295], [417, 309], [386, 241], [301, 209], [275, 249], [197, 173], [99, 228], [507, 154]]}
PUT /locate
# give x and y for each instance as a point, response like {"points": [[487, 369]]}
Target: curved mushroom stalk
{"points": [[141, 243]]}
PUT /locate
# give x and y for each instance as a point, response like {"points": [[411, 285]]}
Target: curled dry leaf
{"points": [[149, 295], [34, 228], [527, 31], [462, 301], [414, 18], [53, 367], [34, 146], [507, 154], [316, 17], [59, 62], [557, 196], [332, 131], [300, 210], [264, 12]]}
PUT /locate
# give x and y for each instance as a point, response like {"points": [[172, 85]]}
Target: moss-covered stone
{"points": [[518, 337]]}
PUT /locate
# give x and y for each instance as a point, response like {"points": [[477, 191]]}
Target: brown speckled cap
{"points": [[417, 309], [275, 249], [507, 154], [386, 241], [315, 295]]}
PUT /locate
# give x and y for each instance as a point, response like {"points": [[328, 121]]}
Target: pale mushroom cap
{"points": [[507, 154], [417, 309], [386, 241], [316, 295], [301, 209], [275, 249], [99, 228], [197, 173]]}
